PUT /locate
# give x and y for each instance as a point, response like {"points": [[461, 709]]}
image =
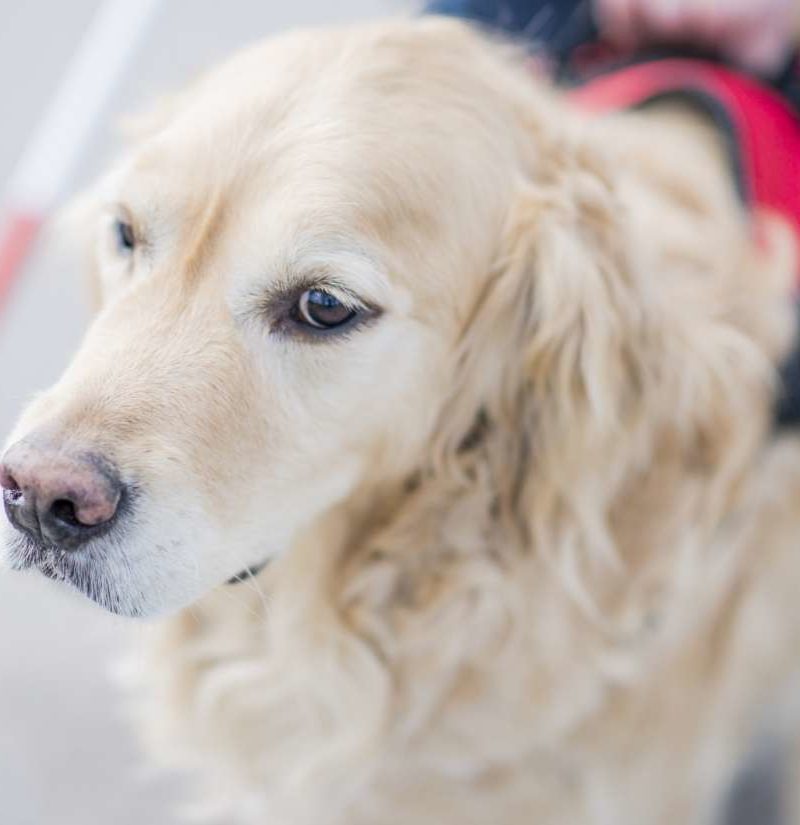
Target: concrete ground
{"points": [[66, 754]]}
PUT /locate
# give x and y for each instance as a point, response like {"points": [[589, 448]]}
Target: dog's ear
{"points": [[553, 334], [585, 368]]}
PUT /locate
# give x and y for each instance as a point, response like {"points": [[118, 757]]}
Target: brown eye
{"points": [[125, 237], [322, 310]]}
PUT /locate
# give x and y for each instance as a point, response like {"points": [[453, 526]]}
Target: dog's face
{"points": [[321, 267], [283, 273]]}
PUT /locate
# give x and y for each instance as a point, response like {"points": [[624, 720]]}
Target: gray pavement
{"points": [[67, 756]]}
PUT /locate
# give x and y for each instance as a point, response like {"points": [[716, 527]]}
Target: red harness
{"points": [[763, 133], [764, 130]]}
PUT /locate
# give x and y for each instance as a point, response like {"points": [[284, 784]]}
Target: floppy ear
{"points": [[589, 374], [552, 351]]}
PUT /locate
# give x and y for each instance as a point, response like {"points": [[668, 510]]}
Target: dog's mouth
{"points": [[101, 570], [84, 571], [26, 553]]}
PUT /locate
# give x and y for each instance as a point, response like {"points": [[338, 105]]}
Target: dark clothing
{"points": [[557, 26]]}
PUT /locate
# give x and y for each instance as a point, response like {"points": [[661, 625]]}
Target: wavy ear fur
{"points": [[614, 374]]}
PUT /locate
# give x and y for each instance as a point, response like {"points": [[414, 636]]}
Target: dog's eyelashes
{"points": [[321, 310], [315, 311], [125, 236]]}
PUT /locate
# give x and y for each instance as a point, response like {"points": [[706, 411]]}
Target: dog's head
{"points": [[333, 261]]}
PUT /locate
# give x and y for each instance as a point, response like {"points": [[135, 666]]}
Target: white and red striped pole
{"points": [[44, 172]]}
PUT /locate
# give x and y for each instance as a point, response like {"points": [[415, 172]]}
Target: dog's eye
{"points": [[322, 310], [125, 236]]}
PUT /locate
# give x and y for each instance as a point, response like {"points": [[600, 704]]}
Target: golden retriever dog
{"points": [[485, 386]]}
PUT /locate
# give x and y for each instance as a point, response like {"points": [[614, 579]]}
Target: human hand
{"points": [[756, 34]]}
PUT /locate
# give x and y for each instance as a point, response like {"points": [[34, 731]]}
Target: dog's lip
{"points": [[248, 573]]}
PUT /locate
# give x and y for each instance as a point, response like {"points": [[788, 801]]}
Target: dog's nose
{"points": [[57, 497]]}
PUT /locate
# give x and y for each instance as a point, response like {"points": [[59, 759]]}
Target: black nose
{"points": [[59, 498]]}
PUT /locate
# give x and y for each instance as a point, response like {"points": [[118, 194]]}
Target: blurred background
{"points": [[67, 756]]}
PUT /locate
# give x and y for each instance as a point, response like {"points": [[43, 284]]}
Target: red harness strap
{"points": [[765, 130]]}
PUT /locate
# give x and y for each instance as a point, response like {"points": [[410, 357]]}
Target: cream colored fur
{"points": [[535, 548]]}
